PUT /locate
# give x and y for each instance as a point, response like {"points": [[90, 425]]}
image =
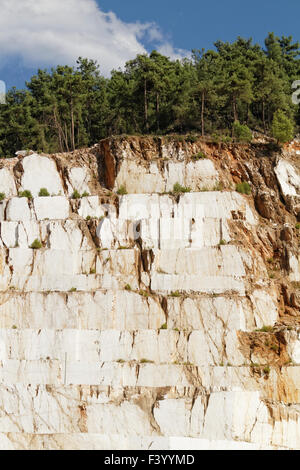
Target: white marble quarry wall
{"points": [[121, 331], [140, 179]]}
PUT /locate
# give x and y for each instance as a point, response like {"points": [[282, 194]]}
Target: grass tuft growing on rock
{"points": [[175, 294], [25, 193], [76, 194], [243, 188], [178, 189], [199, 156], [2, 196], [44, 192], [265, 329], [36, 245], [122, 190]]}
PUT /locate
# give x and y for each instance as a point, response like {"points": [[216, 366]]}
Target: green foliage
{"points": [[44, 192], [199, 156], [164, 326], [128, 287], [74, 107], [122, 190], [177, 189], [36, 245], [241, 132], [2, 196], [297, 226], [25, 193], [192, 138], [243, 188], [266, 329], [282, 127], [73, 289], [85, 194], [144, 293], [76, 195], [176, 294]]}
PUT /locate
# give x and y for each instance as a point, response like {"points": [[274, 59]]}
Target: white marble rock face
{"points": [[133, 343]]}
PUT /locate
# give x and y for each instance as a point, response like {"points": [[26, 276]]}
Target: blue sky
{"points": [[46, 33]]}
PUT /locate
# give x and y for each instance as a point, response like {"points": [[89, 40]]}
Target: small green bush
{"points": [[226, 139], [164, 326], [243, 188], [128, 287], [218, 187], [44, 192], [282, 127], [2, 196], [192, 138], [175, 294], [76, 195], [215, 138], [122, 190], [144, 293], [177, 189], [73, 289], [199, 156], [265, 329], [25, 193], [241, 132], [85, 194], [297, 226], [36, 245]]}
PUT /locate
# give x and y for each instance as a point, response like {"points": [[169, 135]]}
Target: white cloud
{"points": [[50, 32]]}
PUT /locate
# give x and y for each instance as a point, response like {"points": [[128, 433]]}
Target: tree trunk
{"points": [[157, 111], [72, 126], [263, 115], [235, 115], [146, 105], [202, 113]]}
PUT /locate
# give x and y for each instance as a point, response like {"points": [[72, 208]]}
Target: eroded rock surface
{"points": [[150, 319]]}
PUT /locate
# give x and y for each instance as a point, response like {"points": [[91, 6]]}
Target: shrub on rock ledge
{"points": [[25, 193], [44, 192], [243, 188], [177, 189], [122, 191], [76, 195], [36, 245]]}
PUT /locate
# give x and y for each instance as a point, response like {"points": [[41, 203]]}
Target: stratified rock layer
{"points": [[150, 319]]}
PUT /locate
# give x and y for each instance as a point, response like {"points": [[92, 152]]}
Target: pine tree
{"points": [[282, 127]]}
